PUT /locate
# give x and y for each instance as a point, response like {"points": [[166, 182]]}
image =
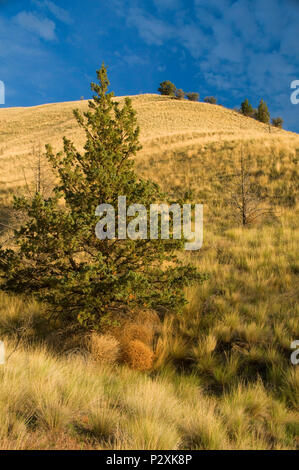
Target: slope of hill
{"points": [[166, 124]]}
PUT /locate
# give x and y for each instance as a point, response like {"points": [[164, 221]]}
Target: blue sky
{"points": [[232, 49]]}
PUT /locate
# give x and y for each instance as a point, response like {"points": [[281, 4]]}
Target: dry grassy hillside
{"points": [[166, 125], [221, 375]]}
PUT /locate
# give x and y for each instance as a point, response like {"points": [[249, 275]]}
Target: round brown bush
{"points": [[140, 324], [138, 355], [136, 331]]}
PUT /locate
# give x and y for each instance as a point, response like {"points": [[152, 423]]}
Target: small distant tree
{"points": [[43, 174], [180, 94], [56, 255], [245, 196], [277, 122], [167, 88], [192, 96], [246, 108], [210, 100], [263, 114]]}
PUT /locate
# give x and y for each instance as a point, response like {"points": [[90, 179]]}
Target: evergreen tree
{"points": [[263, 114], [57, 256], [210, 100], [246, 108], [167, 88], [277, 122], [192, 96], [180, 94]]}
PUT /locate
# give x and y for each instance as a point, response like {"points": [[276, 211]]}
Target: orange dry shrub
{"points": [[136, 334], [138, 355], [136, 331], [142, 325]]}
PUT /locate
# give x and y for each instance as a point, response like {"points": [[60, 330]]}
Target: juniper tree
{"points": [[57, 256], [262, 113], [167, 88], [180, 94], [246, 108], [210, 100], [192, 96], [277, 122]]}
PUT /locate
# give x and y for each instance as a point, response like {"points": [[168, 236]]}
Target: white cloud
{"points": [[42, 27], [60, 13], [156, 32], [151, 29], [26, 59], [246, 47], [192, 38], [133, 59]]}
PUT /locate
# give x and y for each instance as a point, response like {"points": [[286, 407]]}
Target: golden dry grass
{"points": [[104, 349], [239, 389], [166, 125], [49, 402]]}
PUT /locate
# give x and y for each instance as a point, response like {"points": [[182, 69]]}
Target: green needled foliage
{"points": [[246, 108], [57, 256], [167, 88], [263, 114]]}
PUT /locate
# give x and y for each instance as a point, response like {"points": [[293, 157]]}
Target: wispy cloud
{"points": [[60, 13], [43, 27], [231, 48], [31, 70], [241, 46], [152, 30]]}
